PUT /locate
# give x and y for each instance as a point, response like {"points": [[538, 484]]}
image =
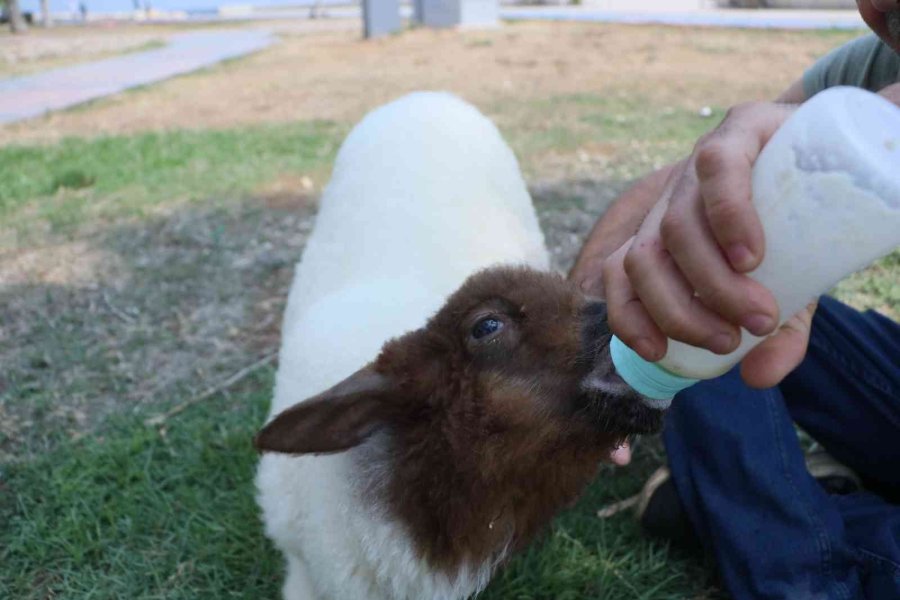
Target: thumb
{"points": [[770, 362]]}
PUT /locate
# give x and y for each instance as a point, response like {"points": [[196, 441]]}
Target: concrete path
{"points": [[663, 12], [755, 19], [33, 95]]}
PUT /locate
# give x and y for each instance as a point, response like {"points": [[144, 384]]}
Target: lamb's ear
{"points": [[335, 420]]}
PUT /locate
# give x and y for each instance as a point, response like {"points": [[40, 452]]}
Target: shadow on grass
{"points": [[153, 312]]}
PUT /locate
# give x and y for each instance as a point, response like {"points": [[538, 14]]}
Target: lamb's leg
{"points": [[297, 585]]}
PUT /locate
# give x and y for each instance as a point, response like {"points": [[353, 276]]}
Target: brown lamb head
{"points": [[492, 417]]}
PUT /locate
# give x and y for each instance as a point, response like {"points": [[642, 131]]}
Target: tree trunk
{"points": [[16, 21], [46, 19]]}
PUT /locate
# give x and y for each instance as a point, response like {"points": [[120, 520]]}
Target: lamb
{"points": [[440, 394]]}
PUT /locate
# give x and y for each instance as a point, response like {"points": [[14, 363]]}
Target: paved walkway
{"points": [[663, 12], [755, 19], [34, 95]]}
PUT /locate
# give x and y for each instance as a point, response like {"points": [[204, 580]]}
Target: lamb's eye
{"points": [[486, 327]]}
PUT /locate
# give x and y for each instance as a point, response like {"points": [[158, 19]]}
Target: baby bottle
{"points": [[827, 190]]}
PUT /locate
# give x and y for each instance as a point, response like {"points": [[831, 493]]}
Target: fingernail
{"points": [[758, 324], [739, 256], [721, 342], [647, 350]]}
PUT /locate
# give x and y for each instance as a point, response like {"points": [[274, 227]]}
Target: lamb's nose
{"points": [[595, 328], [595, 310]]}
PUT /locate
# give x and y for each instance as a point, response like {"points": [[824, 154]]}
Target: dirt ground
{"points": [[317, 72]]}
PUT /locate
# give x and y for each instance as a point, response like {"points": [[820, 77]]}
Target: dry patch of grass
{"points": [[72, 263], [319, 75], [123, 294], [184, 301]]}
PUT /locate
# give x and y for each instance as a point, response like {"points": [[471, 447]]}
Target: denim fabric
{"points": [[739, 469]]}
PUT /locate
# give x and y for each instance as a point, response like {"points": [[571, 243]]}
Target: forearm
{"points": [[619, 223]]}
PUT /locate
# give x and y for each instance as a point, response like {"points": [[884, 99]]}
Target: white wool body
{"points": [[424, 192]]}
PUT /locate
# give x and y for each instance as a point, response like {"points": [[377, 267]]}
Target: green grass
{"points": [[877, 287], [584, 557], [79, 181], [633, 136], [137, 514], [130, 512], [618, 122], [134, 513]]}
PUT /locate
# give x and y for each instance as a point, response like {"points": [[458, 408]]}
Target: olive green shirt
{"points": [[865, 62]]}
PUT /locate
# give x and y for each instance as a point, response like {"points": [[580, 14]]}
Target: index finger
{"points": [[724, 165]]}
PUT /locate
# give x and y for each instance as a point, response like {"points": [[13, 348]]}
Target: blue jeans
{"points": [[739, 470]]}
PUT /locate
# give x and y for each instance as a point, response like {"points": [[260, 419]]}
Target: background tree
{"points": [[16, 21]]}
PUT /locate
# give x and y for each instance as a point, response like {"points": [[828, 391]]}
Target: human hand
{"points": [[683, 275], [616, 226]]}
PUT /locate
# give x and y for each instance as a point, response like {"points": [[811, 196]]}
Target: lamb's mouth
{"points": [[616, 408], [613, 405], [610, 402]]}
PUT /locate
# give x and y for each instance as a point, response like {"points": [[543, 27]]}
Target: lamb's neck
{"points": [[392, 544], [461, 521]]}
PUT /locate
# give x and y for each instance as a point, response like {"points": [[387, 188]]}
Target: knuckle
{"points": [[676, 324], [742, 110], [726, 211], [720, 299], [635, 260], [707, 139], [672, 228], [712, 158]]}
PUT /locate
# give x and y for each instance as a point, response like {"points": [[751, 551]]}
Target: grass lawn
{"points": [[117, 508], [139, 514], [133, 513], [145, 262], [80, 183]]}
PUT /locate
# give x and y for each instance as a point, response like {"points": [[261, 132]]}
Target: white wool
{"points": [[424, 193]]}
